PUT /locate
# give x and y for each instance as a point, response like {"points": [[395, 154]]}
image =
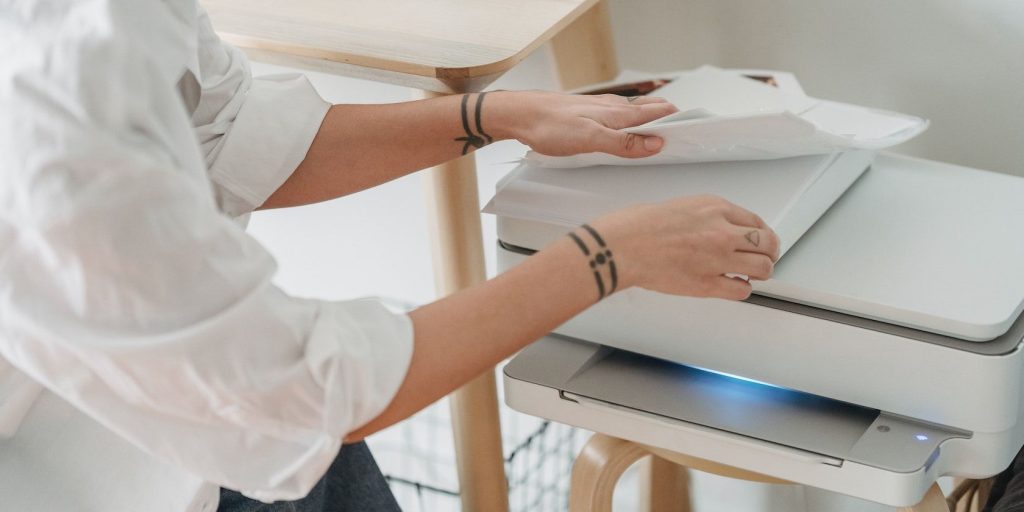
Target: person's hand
{"points": [[688, 246], [559, 124]]}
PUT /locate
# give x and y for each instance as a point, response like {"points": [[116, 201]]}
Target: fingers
{"points": [[761, 241], [743, 217], [754, 266], [640, 113], [628, 145], [630, 100], [625, 112], [643, 100], [731, 288]]}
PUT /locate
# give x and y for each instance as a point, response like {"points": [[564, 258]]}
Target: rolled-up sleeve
{"points": [[126, 291], [253, 132]]}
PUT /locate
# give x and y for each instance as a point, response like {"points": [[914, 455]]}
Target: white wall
{"points": [[959, 63]]}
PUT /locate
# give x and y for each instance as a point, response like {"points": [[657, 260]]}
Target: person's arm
{"points": [[360, 146], [682, 247]]}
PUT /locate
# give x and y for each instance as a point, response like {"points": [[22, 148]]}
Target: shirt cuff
{"points": [[359, 353], [374, 344], [269, 138]]}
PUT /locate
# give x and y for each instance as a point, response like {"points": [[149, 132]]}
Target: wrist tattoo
{"points": [[601, 261], [480, 138]]}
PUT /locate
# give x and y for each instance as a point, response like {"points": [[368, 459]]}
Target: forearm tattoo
{"points": [[601, 262], [478, 139]]}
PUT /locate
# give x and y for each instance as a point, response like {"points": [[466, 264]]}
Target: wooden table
{"points": [[664, 482], [439, 47]]}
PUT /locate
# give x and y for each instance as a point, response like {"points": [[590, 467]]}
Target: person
{"points": [[1007, 488], [133, 147]]}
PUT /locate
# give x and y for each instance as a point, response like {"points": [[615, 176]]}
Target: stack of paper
{"points": [[789, 194], [723, 116]]}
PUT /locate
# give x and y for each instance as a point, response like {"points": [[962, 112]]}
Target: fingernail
{"points": [[653, 143]]}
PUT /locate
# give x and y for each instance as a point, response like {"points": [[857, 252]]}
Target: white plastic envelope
{"points": [[725, 117]]}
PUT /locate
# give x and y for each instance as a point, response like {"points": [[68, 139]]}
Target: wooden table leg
{"points": [[453, 205], [664, 486], [934, 501], [597, 469], [584, 52]]}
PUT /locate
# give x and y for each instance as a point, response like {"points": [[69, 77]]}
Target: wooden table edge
{"points": [[483, 73]]}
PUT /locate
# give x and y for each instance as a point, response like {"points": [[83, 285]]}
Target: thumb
{"points": [[628, 145]]}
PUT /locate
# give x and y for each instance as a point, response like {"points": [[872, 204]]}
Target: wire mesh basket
{"points": [[418, 460]]}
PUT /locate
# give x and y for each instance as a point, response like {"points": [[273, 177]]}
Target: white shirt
{"points": [[130, 137]]}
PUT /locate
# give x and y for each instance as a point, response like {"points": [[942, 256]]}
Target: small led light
{"points": [[921, 437], [736, 377]]}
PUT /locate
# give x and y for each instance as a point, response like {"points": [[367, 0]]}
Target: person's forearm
{"points": [[465, 334], [687, 246], [360, 146]]}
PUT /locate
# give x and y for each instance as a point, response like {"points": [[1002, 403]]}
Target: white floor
{"points": [[375, 244]]}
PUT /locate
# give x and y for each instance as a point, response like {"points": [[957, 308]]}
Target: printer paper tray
{"points": [[780, 416], [799, 424], [749, 442]]}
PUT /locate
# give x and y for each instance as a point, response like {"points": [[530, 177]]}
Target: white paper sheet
{"points": [[790, 195], [726, 117]]}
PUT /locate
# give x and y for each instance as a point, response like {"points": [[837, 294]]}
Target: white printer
{"points": [[884, 353]]}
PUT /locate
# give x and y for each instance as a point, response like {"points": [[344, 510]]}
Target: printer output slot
{"points": [[692, 396], [745, 442], [516, 249]]}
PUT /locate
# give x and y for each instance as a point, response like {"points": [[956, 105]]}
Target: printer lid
{"points": [[922, 244], [925, 245]]}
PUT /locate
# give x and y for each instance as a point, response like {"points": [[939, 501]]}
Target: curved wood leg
{"points": [[664, 486], [596, 470], [934, 501], [453, 205], [969, 495]]}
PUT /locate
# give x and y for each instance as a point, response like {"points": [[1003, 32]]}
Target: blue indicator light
{"points": [[737, 377], [921, 437]]}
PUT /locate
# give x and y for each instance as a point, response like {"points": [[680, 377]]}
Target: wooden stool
{"points": [[604, 459], [440, 47]]}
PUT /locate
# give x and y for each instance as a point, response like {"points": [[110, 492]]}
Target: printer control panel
{"points": [[896, 443]]}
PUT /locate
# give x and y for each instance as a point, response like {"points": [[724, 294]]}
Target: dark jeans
{"points": [[353, 483], [1008, 489]]}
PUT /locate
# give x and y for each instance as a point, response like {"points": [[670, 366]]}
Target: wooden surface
{"points": [[934, 501], [584, 53], [596, 470], [604, 459], [663, 486], [453, 208], [969, 495], [437, 45]]}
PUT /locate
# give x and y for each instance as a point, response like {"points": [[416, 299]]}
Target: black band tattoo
{"points": [[479, 109], [754, 237], [580, 244], [602, 257], [480, 138]]}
